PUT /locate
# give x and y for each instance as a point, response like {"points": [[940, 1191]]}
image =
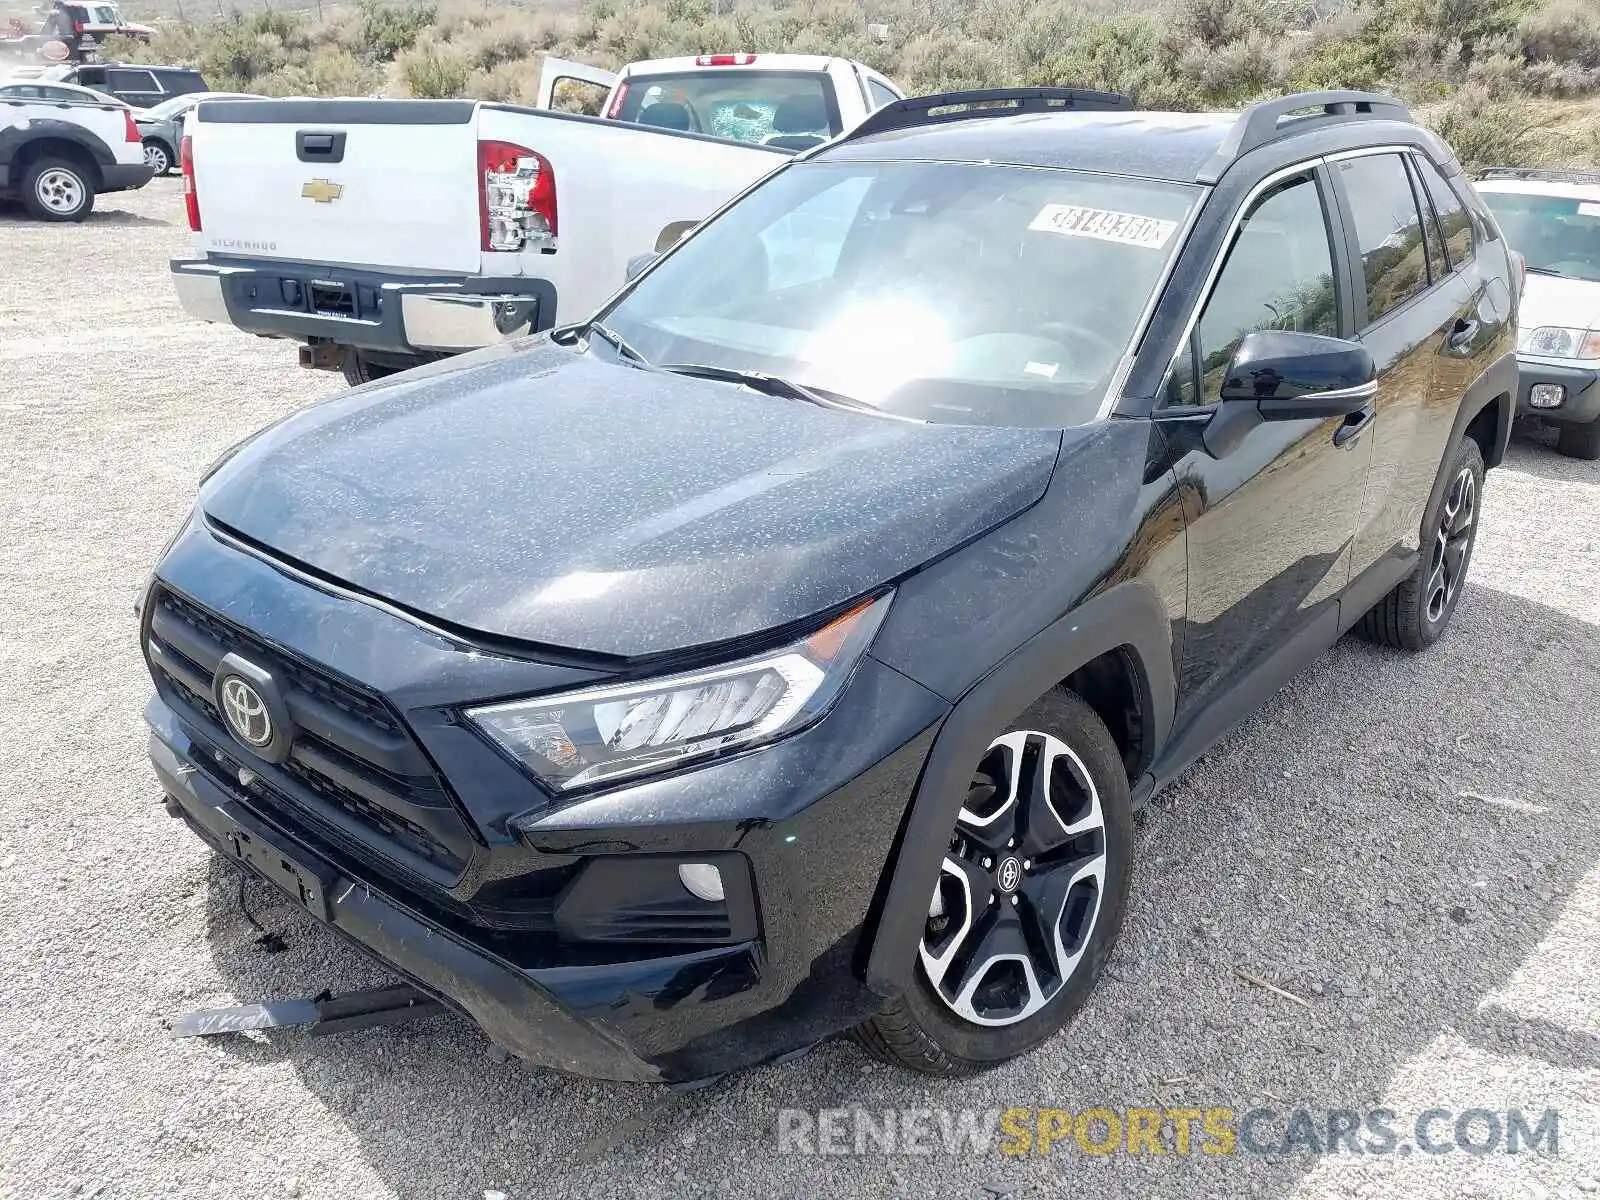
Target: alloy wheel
{"points": [[59, 190], [1021, 885], [1452, 543], [156, 158]]}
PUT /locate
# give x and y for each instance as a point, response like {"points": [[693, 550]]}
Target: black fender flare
{"points": [[15, 140], [1130, 615]]}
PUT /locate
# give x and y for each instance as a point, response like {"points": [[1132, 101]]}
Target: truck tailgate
{"points": [[382, 183]]}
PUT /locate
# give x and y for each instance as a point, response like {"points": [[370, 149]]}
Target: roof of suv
{"points": [[1175, 146], [1158, 145]]}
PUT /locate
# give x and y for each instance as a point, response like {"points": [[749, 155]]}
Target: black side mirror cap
{"points": [[1291, 376], [1280, 375]]}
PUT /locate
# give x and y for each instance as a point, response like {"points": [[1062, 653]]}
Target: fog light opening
{"points": [[702, 880], [1546, 395]]}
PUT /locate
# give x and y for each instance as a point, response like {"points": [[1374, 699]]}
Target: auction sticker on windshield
{"points": [[1130, 229]]}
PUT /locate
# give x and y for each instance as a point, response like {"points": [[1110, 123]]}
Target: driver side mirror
{"points": [[639, 264], [1280, 375]]}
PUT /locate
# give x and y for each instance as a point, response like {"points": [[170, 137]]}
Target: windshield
{"points": [[790, 109], [1557, 234], [168, 109], [953, 292]]}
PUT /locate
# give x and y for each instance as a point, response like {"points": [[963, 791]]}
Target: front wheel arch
{"points": [[1129, 618]]}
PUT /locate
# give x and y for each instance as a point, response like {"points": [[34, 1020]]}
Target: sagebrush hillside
{"points": [[1505, 80]]}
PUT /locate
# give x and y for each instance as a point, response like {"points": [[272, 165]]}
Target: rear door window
{"points": [[880, 94], [1394, 258], [132, 81], [178, 82], [1455, 227]]}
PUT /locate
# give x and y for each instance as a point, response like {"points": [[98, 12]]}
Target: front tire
{"points": [[1417, 612], [1580, 441], [1030, 898], [57, 189]]}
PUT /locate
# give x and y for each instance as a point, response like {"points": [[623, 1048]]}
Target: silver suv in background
{"points": [[161, 126], [1553, 219]]}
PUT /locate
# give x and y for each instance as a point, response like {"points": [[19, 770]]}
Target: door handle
{"points": [[1353, 425], [1462, 333], [315, 146]]}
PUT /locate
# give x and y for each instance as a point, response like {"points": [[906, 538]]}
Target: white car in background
{"points": [[161, 126], [1553, 219]]}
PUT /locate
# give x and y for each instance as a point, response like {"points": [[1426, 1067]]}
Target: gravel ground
{"points": [[1409, 844]]}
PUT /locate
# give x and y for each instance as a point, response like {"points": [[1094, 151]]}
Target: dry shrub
{"points": [[1167, 53], [1565, 32], [1481, 129], [431, 72]]}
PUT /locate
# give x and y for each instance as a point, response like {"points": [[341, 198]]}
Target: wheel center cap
{"points": [[1008, 874]]}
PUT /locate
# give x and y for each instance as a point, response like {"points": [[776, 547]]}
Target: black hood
{"points": [[545, 496]]}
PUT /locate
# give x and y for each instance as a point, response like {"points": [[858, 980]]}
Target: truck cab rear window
{"points": [[789, 110]]}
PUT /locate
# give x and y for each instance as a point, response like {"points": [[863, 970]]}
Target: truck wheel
{"points": [[157, 157], [57, 189], [1418, 611], [1580, 441], [358, 370], [1030, 897]]}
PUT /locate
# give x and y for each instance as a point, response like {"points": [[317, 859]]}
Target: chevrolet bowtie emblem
{"points": [[322, 191]]}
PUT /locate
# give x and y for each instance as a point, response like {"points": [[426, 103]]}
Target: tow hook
{"points": [[324, 356]]}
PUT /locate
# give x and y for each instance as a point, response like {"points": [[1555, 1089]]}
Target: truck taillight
{"points": [[516, 197], [724, 60], [77, 27], [130, 131], [191, 196]]}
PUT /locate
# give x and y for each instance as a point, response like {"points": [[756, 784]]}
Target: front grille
{"points": [[353, 768]]}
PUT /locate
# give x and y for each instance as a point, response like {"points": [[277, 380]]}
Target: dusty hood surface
{"points": [[1551, 300], [534, 494]]}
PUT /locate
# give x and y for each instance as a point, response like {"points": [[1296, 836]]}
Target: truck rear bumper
{"points": [[124, 177], [371, 310]]}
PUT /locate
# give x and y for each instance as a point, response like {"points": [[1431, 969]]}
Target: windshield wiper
{"points": [[772, 385], [617, 343], [1533, 270]]}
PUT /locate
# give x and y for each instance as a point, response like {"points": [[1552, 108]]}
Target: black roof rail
{"points": [[1540, 174], [1270, 120], [989, 102]]}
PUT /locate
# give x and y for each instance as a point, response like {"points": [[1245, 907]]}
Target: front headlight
{"points": [[1555, 341], [580, 738]]}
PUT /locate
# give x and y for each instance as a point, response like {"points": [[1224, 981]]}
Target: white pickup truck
{"points": [[384, 233]]}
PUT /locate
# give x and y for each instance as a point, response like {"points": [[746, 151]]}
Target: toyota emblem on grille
{"points": [[246, 713]]}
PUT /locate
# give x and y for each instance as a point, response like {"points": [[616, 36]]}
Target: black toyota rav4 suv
{"points": [[786, 650]]}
